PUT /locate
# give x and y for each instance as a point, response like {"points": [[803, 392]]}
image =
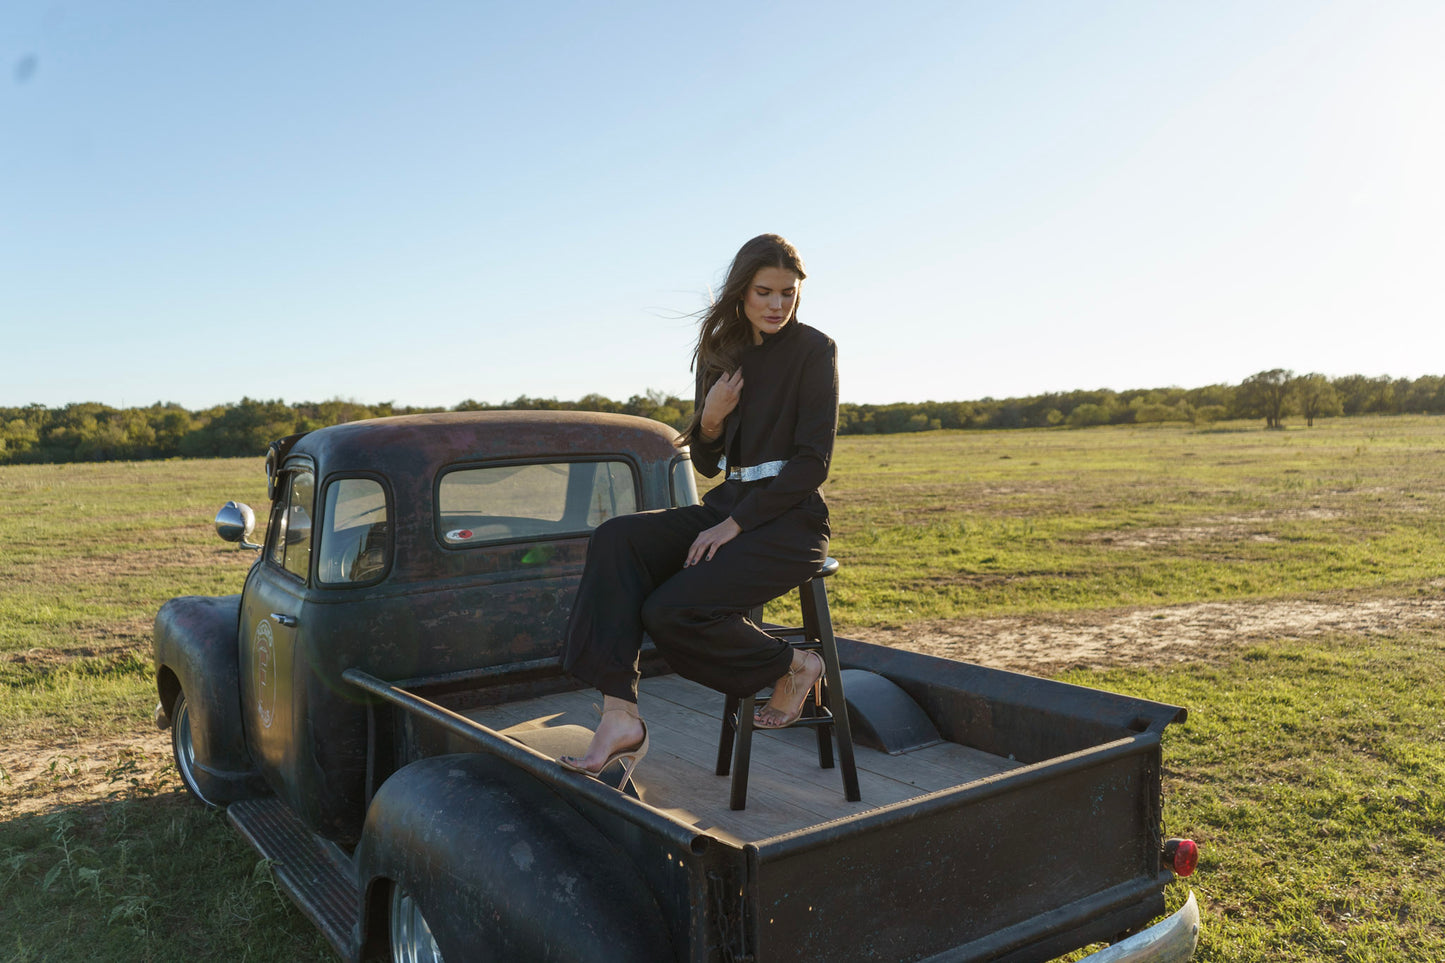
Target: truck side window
{"points": [[289, 541], [276, 532], [354, 532], [503, 502]]}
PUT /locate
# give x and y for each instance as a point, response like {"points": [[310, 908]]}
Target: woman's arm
{"points": [[721, 399], [706, 446]]}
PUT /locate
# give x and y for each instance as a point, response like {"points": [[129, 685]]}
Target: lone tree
{"points": [[1266, 395], [1315, 397]]}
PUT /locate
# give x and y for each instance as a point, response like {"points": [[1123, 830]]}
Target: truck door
{"points": [[272, 612]]}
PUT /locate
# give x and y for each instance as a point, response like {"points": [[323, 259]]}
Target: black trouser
{"points": [[635, 582]]}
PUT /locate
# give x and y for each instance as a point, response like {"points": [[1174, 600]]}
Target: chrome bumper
{"points": [[1168, 941]]}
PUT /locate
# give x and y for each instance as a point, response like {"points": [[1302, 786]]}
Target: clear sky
{"points": [[424, 203]]}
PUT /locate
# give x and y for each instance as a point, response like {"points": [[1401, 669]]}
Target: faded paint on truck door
{"points": [[272, 613]]}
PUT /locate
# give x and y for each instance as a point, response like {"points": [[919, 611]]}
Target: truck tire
{"points": [[184, 749], [410, 935]]}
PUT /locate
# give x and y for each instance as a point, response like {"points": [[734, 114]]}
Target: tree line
{"points": [[96, 432], [1271, 396], [36, 434]]}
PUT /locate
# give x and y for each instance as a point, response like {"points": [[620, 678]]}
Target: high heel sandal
{"points": [[633, 755], [792, 683]]}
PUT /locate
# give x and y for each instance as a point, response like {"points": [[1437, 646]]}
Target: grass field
{"points": [[1312, 769]]}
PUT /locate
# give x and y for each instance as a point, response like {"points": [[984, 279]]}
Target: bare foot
{"points": [[619, 730], [790, 691]]}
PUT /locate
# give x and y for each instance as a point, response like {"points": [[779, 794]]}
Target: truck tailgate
{"points": [[996, 867]]}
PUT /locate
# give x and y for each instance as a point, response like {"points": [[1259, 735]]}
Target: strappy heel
{"points": [[632, 756], [792, 683]]}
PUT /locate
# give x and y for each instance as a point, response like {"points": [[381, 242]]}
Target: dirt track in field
{"points": [[1046, 644], [37, 776]]}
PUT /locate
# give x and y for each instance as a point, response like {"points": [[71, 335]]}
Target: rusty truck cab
{"points": [[415, 546]]}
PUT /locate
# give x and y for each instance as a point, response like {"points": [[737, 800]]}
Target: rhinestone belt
{"points": [[752, 473]]}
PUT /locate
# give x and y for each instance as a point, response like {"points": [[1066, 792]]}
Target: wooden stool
{"points": [[734, 749]]}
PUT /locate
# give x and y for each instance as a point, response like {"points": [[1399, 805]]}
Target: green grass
{"points": [[962, 524], [1313, 777], [142, 879], [88, 550], [1312, 772]]}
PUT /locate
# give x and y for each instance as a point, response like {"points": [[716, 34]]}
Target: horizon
{"points": [[463, 202], [987, 399]]}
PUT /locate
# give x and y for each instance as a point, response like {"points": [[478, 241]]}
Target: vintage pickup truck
{"points": [[381, 708]]}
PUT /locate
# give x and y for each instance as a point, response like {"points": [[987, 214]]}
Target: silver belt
{"points": [[751, 473]]}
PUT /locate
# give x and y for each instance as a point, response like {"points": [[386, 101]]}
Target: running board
{"points": [[317, 877]]}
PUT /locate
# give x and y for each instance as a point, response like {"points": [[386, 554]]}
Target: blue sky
{"points": [[424, 203]]}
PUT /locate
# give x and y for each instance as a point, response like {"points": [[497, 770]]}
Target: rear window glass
{"points": [[354, 541], [684, 485], [504, 502]]}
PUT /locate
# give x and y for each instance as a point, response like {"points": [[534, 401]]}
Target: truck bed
{"points": [[1042, 795], [787, 791]]}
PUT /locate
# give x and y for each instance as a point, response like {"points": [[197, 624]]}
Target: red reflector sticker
{"points": [[459, 534]]}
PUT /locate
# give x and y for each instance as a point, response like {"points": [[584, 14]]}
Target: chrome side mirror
{"points": [[235, 522]]}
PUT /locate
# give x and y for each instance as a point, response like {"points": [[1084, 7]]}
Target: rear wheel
{"points": [[185, 749], [411, 937]]}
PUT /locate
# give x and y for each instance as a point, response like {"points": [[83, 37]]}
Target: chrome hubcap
{"points": [[411, 938], [185, 749]]}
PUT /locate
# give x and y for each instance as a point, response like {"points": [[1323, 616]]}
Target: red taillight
{"points": [[1181, 855]]}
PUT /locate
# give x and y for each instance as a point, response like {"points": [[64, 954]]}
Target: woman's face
{"points": [[770, 301]]}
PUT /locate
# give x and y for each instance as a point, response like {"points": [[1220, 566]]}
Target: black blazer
{"points": [[788, 413]]}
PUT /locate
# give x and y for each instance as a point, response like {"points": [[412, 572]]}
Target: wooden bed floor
{"points": [[787, 790]]}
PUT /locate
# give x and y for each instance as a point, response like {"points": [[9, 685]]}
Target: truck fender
{"points": [[502, 868], [197, 652]]}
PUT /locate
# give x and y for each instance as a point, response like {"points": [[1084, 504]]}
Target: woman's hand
{"points": [[721, 399], [705, 546]]}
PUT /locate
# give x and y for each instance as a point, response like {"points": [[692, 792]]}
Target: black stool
{"points": [[734, 750]]}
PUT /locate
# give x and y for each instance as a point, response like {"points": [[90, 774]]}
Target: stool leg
{"points": [[729, 732], [810, 595], [742, 753], [823, 705], [808, 604], [833, 668]]}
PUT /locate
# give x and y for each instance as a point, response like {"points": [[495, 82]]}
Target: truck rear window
{"points": [[505, 502]]}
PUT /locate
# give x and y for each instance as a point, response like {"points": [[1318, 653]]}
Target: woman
{"points": [[766, 414]]}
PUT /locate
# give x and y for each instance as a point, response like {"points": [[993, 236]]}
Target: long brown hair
{"points": [[725, 330]]}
